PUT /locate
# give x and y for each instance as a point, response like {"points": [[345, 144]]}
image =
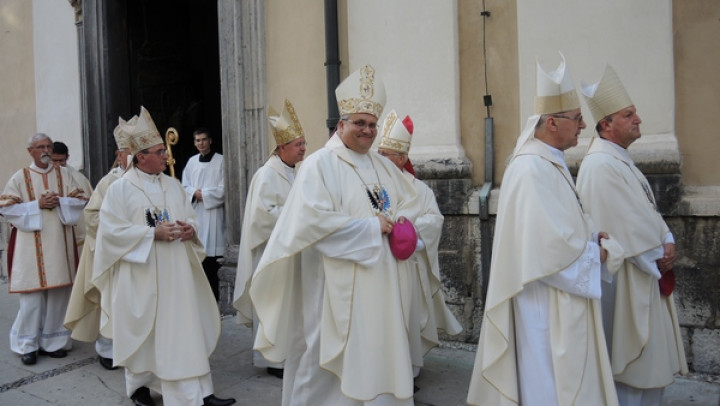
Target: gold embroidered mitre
{"points": [[122, 132], [144, 134], [285, 126], [361, 92], [396, 135], [555, 91], [607, 96]]}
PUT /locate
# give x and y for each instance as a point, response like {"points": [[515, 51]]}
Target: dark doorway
{"points": [[173, 68], [161, 54]]}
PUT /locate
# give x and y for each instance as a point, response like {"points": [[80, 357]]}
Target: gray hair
{"points": [[37, 137]]}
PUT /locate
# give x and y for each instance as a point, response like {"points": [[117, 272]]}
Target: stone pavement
{"points": [[79, 380]]}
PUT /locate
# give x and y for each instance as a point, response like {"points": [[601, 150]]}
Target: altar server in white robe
{"points": [[426, 312], [83, 313], [204, 182], [541, 340], [336, 317], [641, 324], [156, 301], [266, 197], [42, 202]]}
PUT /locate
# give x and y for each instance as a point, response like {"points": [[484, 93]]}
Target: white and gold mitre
{"points": [[555, 91], [396, 135], [285, 126], [122, 132], [607, 96], [144, 134], [361, 92]]}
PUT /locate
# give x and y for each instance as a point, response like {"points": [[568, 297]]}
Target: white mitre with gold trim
{"points": [[555, 91], [285, 126], [361, 92], [144, 134], [606, 97], [396, 134], [122, 132]]}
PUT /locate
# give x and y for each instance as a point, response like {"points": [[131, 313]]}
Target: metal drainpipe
{"points": [[484, 199], [332, 62]]}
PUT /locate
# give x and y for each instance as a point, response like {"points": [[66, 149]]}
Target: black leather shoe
{"points": [[106, 363], [276, 372], [215, 401], [141, 397], [29, 358], [54, 354]]}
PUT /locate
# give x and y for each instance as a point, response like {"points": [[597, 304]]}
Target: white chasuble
{"points": [[645, 341], [266, 196], [45, 255], [425, 309], [83, 312], [541, 231], [159, 310], [330, 220]]}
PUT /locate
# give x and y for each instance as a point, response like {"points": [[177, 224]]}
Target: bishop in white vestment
{"points": [[157, 304], [351, 347], [641, 324], [541, 340], [425, 309], [83, 313], [266, 197]]}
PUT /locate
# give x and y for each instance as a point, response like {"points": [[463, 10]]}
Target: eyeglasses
{"points": [[158, 152], [298, 144], [388, 154], [363, 124], [576, 119]]}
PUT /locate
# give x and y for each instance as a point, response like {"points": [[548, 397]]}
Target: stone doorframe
{"points": [[241, 32], [241, 36]]}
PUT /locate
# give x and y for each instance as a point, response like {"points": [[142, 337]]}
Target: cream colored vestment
{"points": [[646, 343], [83, 312], [45, 254], [426, 312], [157, 304], [266, 196], [540, 231], [329, 221]]}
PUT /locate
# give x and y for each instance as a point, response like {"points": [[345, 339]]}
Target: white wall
{"points": [[413, 45], [57, 76], [635, 37]]}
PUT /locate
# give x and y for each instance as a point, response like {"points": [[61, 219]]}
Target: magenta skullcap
{"points": [[403, 240]]}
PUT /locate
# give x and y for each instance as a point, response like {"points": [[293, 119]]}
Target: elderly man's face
{"points": [[40, 152], [568, 125], [358, 132], [396, 157]]}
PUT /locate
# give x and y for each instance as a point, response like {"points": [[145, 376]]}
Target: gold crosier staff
{"points": [[171, 138]]}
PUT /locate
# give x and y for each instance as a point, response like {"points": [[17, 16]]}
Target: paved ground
{"points": [[80, 380]]}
